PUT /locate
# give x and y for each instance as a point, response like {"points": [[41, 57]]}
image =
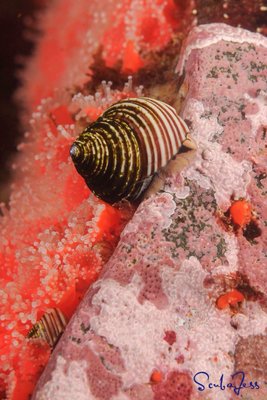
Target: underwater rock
{"points": [[153, 320]]}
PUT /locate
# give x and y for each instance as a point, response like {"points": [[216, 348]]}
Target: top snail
{"points": [[121, 151]]}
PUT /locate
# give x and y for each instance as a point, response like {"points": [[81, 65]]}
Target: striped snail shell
{"points": [[119, 153], [50, 327]]}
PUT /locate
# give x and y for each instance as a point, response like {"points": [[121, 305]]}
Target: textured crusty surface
{"points": [[155, 306]]}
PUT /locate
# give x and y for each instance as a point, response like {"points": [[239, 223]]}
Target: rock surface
{"points": [[155, 308]]}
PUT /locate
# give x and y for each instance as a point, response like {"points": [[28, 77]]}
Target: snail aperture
{"points": [[121, 151]]}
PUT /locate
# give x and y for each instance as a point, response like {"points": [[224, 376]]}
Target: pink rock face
{"points": [[155, 307]]}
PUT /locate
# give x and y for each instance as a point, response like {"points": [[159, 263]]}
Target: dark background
{"points": [[15, 15]]}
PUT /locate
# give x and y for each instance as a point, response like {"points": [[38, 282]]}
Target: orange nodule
{"points": [[156, 376], [132, 61], [231, 298], [240, 212]]}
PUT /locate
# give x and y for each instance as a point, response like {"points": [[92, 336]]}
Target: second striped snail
{"points": [[49, 328], [121, 151]]}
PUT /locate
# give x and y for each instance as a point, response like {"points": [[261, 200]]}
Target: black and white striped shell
{"points": [[50, 327], [119, 153]]}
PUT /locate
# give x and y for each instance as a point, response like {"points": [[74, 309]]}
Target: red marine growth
{"points": [[55, 235]]}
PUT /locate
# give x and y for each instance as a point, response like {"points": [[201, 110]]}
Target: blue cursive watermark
{"points": [[236, 382]]}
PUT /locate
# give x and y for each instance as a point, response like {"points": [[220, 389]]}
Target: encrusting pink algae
{"points": [[176, 306], [55, 235]]}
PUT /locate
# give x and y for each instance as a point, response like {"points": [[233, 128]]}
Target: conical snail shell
{"points": [[50, 327], [119, 153]]}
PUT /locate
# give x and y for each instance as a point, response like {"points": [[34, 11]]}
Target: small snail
{"points": [[121, 151], [50, 327]]}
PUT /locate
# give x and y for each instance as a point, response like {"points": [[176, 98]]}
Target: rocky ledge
{"points": [[185, 290]]}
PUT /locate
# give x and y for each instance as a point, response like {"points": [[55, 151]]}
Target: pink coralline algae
{"points": [[154, 308]]}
